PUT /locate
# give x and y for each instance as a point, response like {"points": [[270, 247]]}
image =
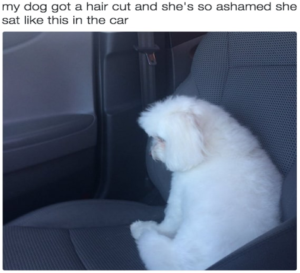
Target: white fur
{"points": [[225, 190]]}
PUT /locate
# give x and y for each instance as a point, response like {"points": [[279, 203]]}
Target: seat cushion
{"points": [[92, 234]]}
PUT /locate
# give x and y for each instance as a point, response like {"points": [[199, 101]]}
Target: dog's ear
{"points": [[184, 143]]}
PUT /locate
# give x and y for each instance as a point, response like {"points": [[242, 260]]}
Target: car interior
{"points": [[76, 165]]}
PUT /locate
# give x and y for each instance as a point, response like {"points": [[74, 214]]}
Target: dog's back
{"points": [[225, 189]]}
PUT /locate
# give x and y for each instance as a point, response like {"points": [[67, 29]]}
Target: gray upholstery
{"points": [[275, 250], [32, 248], [88, 214], [77, 235], [253, 76], [289, 195], [70, 249]]}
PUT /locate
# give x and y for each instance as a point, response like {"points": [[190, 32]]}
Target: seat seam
{"points": [[68, 204], [81, 261], [227, 72], [261, 65], [253, 247], [68, 228], [195, 83], [290, 201]]}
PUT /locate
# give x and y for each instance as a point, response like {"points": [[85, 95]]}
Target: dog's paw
{"points": [[138, 228]]}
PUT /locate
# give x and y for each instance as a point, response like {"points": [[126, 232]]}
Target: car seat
{"points": [[253, 76]]}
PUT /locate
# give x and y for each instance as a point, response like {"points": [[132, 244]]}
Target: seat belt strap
{"points": [[147, 48]]}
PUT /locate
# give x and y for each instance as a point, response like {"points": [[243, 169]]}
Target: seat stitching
{"points": [[228, 68], [195, 83], [68, 204], [62, 228], [261, 65], [289, 202], [81, 261]]}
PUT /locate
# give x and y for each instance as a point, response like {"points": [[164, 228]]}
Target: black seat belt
{"points": [[147, 48]]}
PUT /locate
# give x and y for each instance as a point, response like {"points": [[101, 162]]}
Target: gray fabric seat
{"points": [[253, 76], [76, 235]]}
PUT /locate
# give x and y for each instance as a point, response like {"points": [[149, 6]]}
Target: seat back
{"points": [[253, 76]]}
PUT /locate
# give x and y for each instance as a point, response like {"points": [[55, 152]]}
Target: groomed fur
{"points": [[225, 190]]}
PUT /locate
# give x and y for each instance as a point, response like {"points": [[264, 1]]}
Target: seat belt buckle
{"points": [[149, 52], [151, 58]]}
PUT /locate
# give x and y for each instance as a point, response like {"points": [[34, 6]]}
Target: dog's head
{"points": [[176, 131]]}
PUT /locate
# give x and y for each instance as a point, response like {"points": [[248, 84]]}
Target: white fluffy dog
{"points": [[225, 190]]}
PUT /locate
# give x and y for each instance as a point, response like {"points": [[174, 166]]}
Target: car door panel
{"points": [[46, 139], [49, 121]]}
